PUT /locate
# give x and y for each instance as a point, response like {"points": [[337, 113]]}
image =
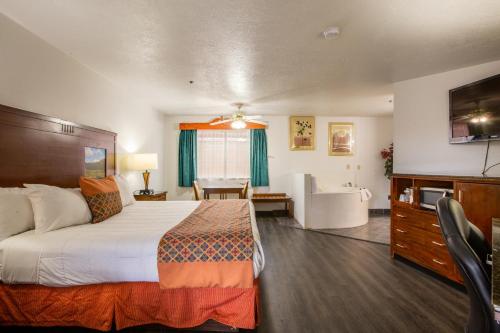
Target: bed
{"points": [[122, 249], [102, 275]]}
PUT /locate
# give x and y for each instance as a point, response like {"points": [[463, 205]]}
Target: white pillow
{"points": [[55, 208], [125, 192], [16, 214]]}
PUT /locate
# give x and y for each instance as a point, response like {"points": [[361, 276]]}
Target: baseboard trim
{"points": [[379, 212], [371, 212]]}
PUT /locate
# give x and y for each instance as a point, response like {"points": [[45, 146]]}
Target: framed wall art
{"points": [[95, 162], [302, 133], [340, 139]]}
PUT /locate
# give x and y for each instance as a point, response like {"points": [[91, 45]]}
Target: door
{"points": [[481, 202]]}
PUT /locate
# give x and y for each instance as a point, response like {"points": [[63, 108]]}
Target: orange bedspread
{"points": [[212, 247], [126, 304]]}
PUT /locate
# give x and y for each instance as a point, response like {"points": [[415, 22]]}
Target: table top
{"points": [[222, 184], [495, 285]]}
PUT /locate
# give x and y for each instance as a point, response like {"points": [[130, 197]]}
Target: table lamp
{"points": [[143, 162]]}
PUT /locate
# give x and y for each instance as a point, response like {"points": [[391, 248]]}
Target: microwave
{"points": [[430, 195]]}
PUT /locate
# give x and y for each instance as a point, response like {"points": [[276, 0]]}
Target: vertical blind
{"points": [[224, 154]]}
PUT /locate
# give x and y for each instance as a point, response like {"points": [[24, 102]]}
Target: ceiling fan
{"points": [[239, 120]]}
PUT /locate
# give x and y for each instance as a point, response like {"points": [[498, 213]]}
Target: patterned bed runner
{"points": [[212, 247]]}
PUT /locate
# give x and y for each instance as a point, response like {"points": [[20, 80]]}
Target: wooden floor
{"points": [[315, 282], [377, 230]]}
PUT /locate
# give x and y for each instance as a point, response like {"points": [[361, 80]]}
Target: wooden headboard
{"points": [[43, 150]]}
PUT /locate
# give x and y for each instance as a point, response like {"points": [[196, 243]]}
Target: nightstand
{"points": [[156, 196]]}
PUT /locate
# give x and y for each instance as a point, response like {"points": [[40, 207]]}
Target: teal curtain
{"points": [[258, 158], [187, 158]]}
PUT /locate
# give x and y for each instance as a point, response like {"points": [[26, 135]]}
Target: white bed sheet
{"points": [[122, 248]]}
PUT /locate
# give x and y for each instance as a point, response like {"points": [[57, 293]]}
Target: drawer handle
{"points": [[436, 225], [399, 230], [401, 246], [438, 262], [401, 216], [438, 244]]}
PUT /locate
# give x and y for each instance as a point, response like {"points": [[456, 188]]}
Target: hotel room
{"points": [[249, 166]]}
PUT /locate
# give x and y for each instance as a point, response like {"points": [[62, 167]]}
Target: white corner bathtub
{"points": [[338, 208]]}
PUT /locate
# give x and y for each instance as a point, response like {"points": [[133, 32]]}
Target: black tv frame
{"points": [[467, 139]]}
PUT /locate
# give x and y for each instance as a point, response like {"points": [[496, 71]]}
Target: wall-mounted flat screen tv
{"points": [[475, 111]]}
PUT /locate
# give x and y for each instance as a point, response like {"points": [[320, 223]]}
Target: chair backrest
{"points": [[197, 191], [469, 250], [244, 191]]}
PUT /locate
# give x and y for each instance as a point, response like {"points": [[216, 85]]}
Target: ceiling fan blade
{"points": [[253, 117], [221, 122], [256, 122]]}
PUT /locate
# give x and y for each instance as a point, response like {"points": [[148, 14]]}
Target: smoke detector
{"points": [[331, 33]]}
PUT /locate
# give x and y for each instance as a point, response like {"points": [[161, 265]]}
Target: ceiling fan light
{"points": [[238, 124]]}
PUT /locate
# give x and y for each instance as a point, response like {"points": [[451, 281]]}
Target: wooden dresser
{"points": [[415, 231]]}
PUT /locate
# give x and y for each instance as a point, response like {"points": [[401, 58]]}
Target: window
{"points": [[224, 154]]}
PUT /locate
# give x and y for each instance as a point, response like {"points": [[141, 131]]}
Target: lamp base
{"points": [[146, 192]]}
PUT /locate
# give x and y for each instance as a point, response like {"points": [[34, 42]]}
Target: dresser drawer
{"points": [[419, 248], [405, 249], [417, 219], [430, 241], [416, 236], [440, 262], [436, 245], [405, 232]]}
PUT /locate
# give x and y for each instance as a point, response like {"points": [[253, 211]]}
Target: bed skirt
{"points": [[127, 304]]}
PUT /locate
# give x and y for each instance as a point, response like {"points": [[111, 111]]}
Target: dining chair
{"points": [[197, 191], [469, 250], [244, 191]]}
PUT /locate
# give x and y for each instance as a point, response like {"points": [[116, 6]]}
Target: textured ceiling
{"points": [[268, 53]]}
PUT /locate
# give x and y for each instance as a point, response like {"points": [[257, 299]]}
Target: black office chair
{"points": [[469, 249]]}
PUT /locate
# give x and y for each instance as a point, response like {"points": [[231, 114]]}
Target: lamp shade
{"points": [[141, 162]]}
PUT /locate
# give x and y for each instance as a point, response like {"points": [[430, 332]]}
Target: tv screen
{"points": [[475, 111]]}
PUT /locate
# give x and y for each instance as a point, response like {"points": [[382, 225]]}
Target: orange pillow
{"points": [[103, 197]]}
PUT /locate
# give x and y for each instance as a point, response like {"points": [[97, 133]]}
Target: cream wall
{"points": [[372, 135], [37, 77], [421, 126]]}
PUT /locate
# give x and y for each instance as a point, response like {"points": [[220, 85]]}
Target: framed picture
{"points": [[340, 139], [95, 162], [302, 133]]}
